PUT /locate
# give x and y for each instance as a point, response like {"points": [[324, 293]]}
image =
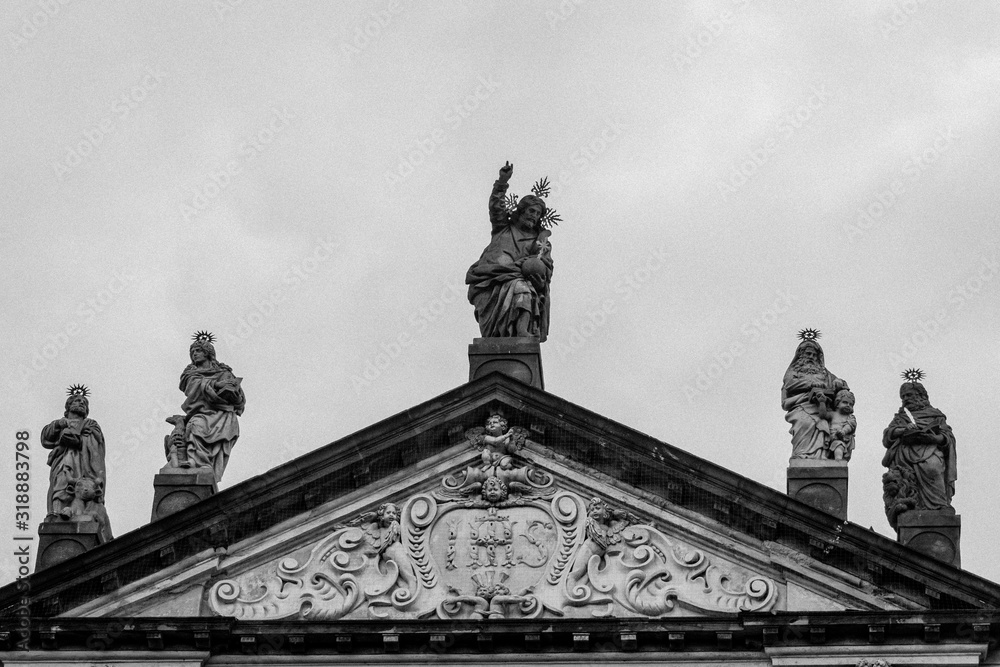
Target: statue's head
{"points": [[844, 402], [77, 405], [529, 212], [808, 356], [386, 514], [201, 350], [598, 510], [496, 425], [494, 490], [914, 395]]}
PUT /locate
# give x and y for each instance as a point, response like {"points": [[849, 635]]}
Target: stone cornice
{"points": [[737, 635]]}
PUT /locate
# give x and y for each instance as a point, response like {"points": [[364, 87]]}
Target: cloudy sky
{"points": [[308, 180]]}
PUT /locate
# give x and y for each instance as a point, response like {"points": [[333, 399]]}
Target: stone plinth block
{"points": [[520, 358], [819, 483], [59, 541], [172, 491], [935, 533]]}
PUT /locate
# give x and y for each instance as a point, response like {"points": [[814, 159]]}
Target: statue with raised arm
{"points": [[920, 454], [807, 395], [204, 438], [77, 473], [509, 284]]}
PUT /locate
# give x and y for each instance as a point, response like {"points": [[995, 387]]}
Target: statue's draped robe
{"points": [[212, 425], [934, 466], [497, 288], [67, 462], [810, 432]]}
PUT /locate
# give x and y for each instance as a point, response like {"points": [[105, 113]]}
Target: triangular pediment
{"points": [[668, 535]]}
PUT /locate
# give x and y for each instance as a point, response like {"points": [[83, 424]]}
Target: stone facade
{"points": [[498, 520]]}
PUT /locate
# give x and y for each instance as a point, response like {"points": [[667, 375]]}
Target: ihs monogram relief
{"points": [[497, 540]]}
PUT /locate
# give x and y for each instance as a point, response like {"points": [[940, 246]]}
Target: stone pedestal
{"points": [[520, 358], [820, 483], [59, 541], [935, 533], [173, 491]]}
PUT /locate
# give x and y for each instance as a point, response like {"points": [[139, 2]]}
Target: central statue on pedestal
{"points": [[509, 285]]}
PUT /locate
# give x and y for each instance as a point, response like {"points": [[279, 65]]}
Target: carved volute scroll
{"points": [[498, 539]]}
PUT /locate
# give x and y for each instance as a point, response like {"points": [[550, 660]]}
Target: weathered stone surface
{"points": [[818, 405], [820, 483], [509, 284], [177, 489], [519, 358], [936, 533], [268, 518]]}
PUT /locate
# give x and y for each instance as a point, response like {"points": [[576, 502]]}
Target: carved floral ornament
{"points": [[497, 540]]}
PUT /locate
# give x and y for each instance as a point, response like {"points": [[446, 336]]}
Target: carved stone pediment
{"points": [[498, 539], [540, 558]]}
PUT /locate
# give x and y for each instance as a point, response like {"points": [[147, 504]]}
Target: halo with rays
{"points": [[809, 334], [203, 337], [78, 390], [542, 188], [913, 375]]}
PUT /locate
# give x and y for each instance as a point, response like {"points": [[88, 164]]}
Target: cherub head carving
{"points": [[496, 425], [598, 510], [386, 514], [494, 490]]}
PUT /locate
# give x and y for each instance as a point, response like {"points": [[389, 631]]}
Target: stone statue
{"points": [[497, 481], [173, 444], [843, 424], [604, 528], [808, 395], [509, 285], [214, 401], [77, 454], [383, 534], [920, 454]]}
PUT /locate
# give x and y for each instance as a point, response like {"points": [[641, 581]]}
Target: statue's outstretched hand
{"points": [[505, 172]]}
